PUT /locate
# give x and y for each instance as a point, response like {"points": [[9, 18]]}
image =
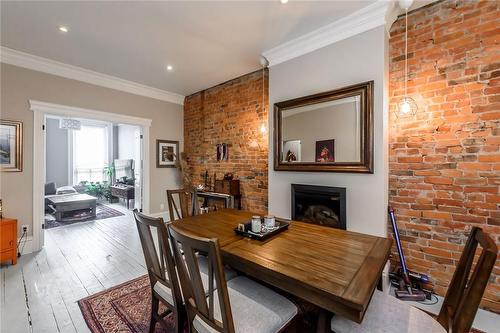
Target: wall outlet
{"points": [[24, 228], [162, 206]]}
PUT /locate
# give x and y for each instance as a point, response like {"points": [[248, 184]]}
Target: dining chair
{"points": [[388, 314], [160, 263], [184, 197], [238, 305]]}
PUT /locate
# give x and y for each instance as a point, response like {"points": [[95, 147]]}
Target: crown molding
{"points": [[382, 12], [40, 64]]}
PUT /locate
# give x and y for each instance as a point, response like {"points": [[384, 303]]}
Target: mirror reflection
{"points": [[327, 132]]}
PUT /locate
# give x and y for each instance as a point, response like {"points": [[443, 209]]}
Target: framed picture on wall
{"points": [[11, 145], [325, 151], [166, 153]]}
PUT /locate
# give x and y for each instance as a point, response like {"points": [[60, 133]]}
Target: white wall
{"points": [[357, 59]]}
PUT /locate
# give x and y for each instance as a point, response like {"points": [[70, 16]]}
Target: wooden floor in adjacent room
{"points": [[78, 260]]}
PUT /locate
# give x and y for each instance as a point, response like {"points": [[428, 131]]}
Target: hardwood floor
{"points": [[40, 293]]}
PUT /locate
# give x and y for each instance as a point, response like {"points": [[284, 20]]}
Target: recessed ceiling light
{"points": [[284, 1], [169, 67], [62, 28]]}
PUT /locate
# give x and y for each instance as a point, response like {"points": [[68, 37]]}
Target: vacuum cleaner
{"points": [[408, 283]]}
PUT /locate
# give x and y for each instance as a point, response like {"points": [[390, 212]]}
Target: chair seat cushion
{"points": [[387, 314], [164, 292], [255, 308]]}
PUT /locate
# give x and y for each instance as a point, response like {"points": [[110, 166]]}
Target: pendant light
{"points": [[264, 62], [407, 107]]}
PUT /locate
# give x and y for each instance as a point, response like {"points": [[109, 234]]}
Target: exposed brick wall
{"points": [[230, 113], [445, 163]]}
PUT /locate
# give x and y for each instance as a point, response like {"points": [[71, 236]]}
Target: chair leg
{"points": [[154, 313], [180, 321]]}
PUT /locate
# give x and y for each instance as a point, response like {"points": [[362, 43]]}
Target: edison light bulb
{"points": [[263, 128], [405, 107]]}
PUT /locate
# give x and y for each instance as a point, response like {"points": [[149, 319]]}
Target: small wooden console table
{"points": [[126, 192]]}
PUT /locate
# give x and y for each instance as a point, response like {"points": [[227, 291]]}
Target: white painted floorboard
{"points": [[78, 260]]}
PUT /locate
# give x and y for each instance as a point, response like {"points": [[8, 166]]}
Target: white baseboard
{"points": [[164, 214], [26, 246]]}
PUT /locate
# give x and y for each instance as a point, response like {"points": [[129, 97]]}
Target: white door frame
{"points": [[40, 111]]}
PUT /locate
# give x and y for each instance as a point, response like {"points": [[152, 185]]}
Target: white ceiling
{"points": [[206, 42]]}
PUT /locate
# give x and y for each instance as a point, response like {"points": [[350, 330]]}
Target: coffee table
{"points": [[63, 204]]}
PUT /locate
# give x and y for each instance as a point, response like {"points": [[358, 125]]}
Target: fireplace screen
{"points": [[322, 205]]}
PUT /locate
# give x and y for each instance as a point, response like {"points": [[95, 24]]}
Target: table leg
{"points": [[93, 208], [58, 215], [324, 318]]}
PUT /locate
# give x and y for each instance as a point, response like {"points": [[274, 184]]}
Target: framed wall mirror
{"points": [[330, 131]]}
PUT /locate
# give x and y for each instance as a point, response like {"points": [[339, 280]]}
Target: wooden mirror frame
{"points": [[365, 165]]}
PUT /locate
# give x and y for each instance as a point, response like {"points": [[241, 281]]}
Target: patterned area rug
{"points": [[123, 308], [102, 212]]}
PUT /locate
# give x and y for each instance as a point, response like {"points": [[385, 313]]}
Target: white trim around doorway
{"points": [[43, 109]]}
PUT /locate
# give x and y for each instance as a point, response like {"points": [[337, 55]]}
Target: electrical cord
{"points": [[23, 236]]}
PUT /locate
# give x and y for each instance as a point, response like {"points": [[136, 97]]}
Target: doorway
{"points": [[97, 174]]}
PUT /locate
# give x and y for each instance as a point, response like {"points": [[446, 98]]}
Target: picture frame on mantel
{"points": [[11, 146], [167, 152], [343, 116]]}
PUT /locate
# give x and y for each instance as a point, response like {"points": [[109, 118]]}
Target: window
{"points": [[90, 153]]}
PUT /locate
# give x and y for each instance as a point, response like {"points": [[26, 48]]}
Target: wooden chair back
{"points": [[159, 258], [467, 286], [184, 197], [200, 303]]}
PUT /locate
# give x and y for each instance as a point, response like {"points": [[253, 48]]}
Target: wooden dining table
{"points": [[336, 270]]}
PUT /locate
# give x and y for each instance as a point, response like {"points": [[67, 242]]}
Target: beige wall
{"points": [[19, 85]]}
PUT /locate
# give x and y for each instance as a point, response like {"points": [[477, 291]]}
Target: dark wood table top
{"points": [[334, 269]]}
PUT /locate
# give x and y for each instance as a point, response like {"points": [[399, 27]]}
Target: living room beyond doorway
{"points": [[93, 170]]}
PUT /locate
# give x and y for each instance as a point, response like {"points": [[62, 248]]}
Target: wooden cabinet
{"points": [[126, 192], [8, 240], [229, 186]]}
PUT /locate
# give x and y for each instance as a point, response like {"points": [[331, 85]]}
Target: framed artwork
{"points": [[166, 153], [325, 151], [11, 145]]}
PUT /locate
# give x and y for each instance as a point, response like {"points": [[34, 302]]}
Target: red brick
{"points": [[456, 132]]}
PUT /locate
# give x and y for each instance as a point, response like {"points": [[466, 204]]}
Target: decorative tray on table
{"points": [[266, 232]]}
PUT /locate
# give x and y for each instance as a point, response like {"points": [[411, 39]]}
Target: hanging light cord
{"points": [[263, 87], [406, 53]]}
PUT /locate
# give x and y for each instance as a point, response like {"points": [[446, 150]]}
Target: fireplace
{"points": [[323, 205]]}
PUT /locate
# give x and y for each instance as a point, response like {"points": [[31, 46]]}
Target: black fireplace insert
{"points": [[323, 205]]}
